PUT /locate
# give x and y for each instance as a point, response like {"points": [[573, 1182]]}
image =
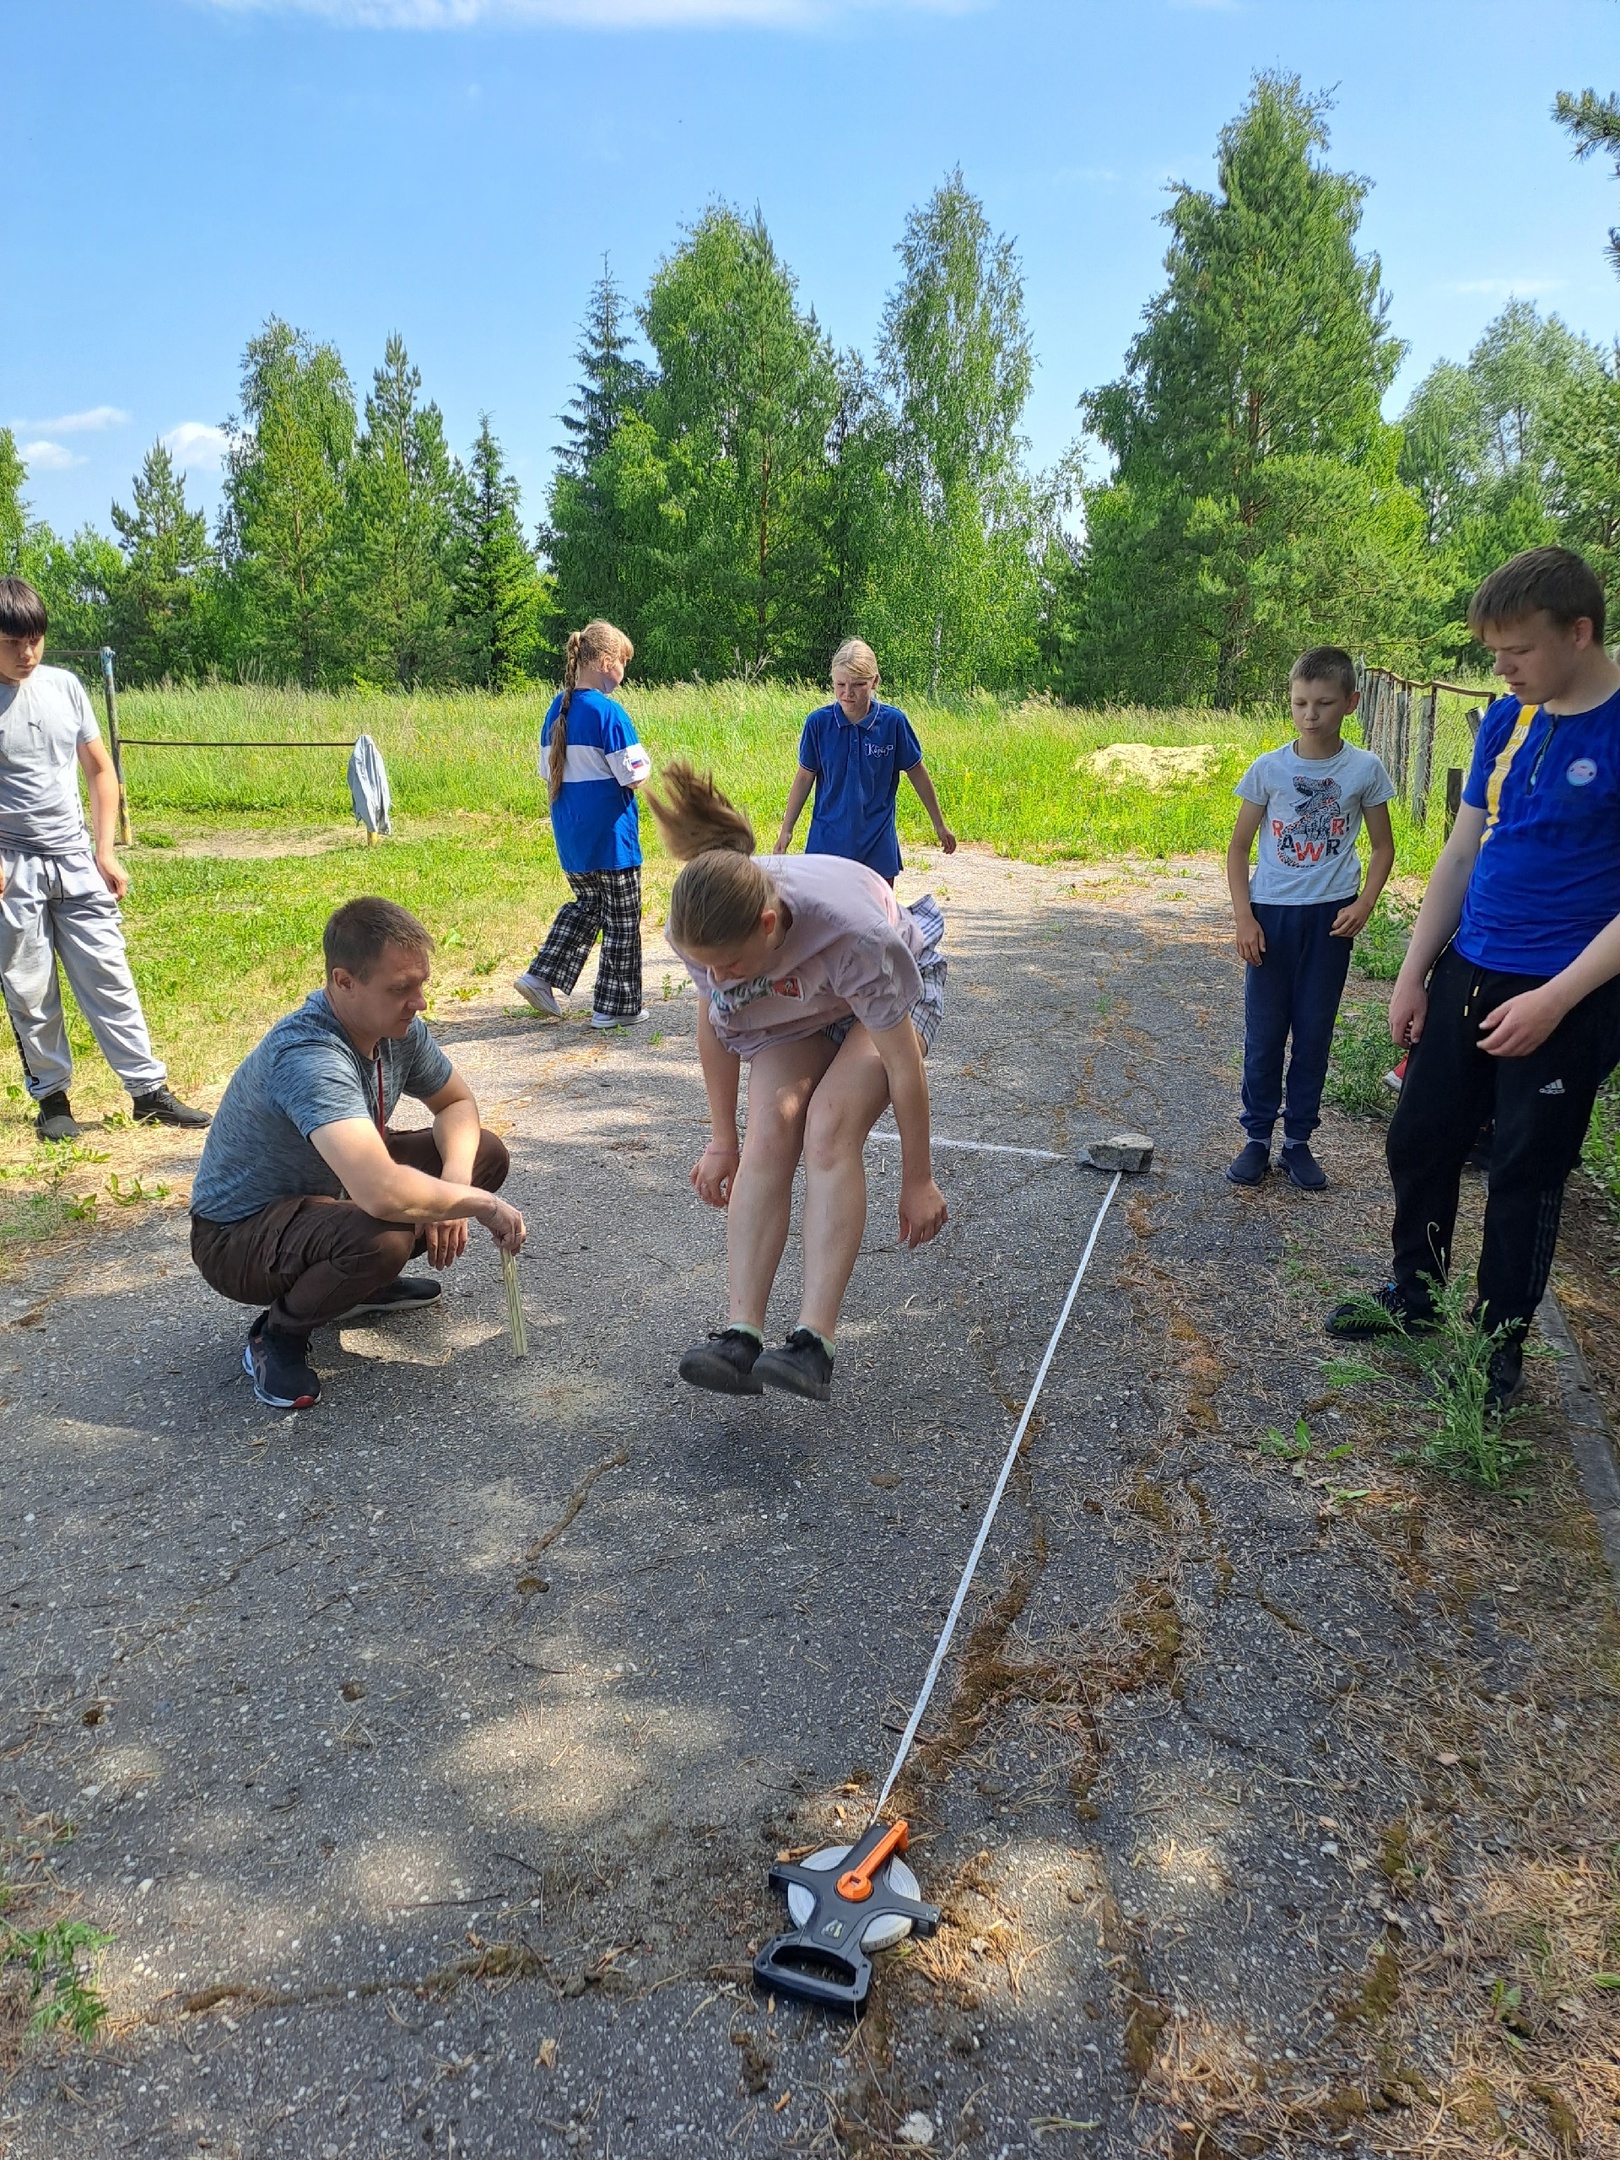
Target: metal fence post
{"points": [[114, 743]]}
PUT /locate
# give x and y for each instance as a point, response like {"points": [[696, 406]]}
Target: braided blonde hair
{"points": [[594, 642]]}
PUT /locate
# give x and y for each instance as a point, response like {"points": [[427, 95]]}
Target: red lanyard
{"points": [[382, 1115]]}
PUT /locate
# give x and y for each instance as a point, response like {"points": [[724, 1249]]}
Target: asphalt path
{"points": [[426, 1753]]}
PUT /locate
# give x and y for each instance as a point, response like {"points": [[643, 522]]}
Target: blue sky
{"points": [[455, 169]]}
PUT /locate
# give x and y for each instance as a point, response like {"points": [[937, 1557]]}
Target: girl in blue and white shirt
{"points": [[594, 763]]}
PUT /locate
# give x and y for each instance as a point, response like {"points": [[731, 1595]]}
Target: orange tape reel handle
{"points": [[856, 1884]]}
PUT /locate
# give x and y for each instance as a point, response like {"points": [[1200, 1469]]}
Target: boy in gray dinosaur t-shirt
{"points": [[1301, 911]]}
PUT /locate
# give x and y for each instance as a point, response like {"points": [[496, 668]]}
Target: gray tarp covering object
{"points": [[368, 786]]}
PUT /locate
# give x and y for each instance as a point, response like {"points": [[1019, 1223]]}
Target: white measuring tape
{"points": [[974, 1557]]}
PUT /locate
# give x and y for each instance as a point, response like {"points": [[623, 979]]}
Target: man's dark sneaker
{"points": [[159, 1107], [1388, 1311], [278, 1366], [54, 1119], [406, 1293], [802, 1366], [725, 1363], [1250, 1164], [1303, 1168], [1504, 1380]]}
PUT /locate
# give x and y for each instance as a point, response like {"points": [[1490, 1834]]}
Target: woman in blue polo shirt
{"points": [[593, 762], [1509, 997], [852, 752]]}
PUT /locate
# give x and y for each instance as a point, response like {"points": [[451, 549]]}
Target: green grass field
{"points": [[240, 855]]}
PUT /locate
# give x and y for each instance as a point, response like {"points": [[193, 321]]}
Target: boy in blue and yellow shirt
{"points": [[1509, 996]]}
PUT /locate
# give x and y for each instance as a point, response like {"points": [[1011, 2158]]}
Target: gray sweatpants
{"points": [[55, 907]]}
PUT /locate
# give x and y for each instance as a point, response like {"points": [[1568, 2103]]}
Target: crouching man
{"points": [[305, 1202]]}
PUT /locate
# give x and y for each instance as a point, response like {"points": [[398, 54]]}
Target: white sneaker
{"points": [[536, 991], [616, 1020]]}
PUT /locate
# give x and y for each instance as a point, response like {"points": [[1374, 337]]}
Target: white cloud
{"points": [[584, 14], [195, 443], [93, 422], [47, 456]]}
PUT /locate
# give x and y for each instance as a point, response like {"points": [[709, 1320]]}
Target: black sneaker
{"points": [[1386, 1311], [1303, 1168], [278, 1366], [406, 1293], [801, 1366], [725, 1363], [159, 1107], [1250, 1164], [54, 1119], [1504, 1381]]}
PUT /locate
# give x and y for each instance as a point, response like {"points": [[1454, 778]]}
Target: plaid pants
{"points": [[605, 903]]}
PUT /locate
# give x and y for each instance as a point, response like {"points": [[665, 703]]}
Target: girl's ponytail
{"points": [[722, 892], [584, 645], [696, 819]]}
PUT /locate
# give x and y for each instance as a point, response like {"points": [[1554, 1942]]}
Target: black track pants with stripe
{"points": [[1541, 1104]]}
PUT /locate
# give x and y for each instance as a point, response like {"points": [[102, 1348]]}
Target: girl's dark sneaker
{"points": [[802, 1366], [1250, 1164], [1386, 1311], [725, 1363], [278, 1366], [1303, 1168]]}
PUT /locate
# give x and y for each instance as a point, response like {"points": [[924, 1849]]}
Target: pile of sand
{"points": [[1155, 765]]}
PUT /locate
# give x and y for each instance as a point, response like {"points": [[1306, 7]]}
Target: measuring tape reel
{"points": [[846, 1902]]}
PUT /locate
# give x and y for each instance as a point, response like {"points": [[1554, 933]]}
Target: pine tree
{"points": [[497, 587], [956, 601], [402, 504], [590, 530], [1254, 505], [157, 621], [283, 519], [1594, 122], [612, 382]]}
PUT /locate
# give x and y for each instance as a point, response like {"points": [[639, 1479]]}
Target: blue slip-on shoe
{"points": [[1303, 1168], [1250, 1165]]}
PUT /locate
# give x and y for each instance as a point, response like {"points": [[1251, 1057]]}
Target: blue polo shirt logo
{"points": [[1582, 773]]}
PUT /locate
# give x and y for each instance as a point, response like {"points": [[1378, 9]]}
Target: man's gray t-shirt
{"points": [[43, 721], [306, 1073], [1312, 813]]}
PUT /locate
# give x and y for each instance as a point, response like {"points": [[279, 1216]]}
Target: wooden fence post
{"points": [[1423, 756], [1454, 781], [1403, 741], [1377, 724]]}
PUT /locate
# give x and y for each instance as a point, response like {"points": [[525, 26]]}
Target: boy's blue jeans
{"points": [[1294, 991]]}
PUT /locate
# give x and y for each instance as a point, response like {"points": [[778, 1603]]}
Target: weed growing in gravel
{"points": [[1292, 1447], [1452, 1364], [1602, 1153], [59, 1991], [1361, 1055], [1381, 947]]}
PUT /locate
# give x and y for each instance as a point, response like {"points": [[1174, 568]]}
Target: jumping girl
{"points": [[809, 972], [593, 762]]}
